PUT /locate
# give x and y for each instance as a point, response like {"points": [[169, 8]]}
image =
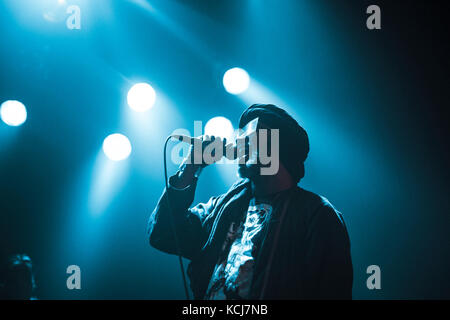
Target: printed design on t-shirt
{"points": [[233, 274]]}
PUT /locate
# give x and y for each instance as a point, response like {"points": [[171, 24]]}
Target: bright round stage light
{"points": [[13, 113], [141, 97], [220, 127], [236, 80], [117, 147]]}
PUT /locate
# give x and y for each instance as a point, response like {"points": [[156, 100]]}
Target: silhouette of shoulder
{"points": [[314, 204]]}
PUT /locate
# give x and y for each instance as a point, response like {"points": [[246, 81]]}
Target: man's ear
{"points": [[302, 171]]}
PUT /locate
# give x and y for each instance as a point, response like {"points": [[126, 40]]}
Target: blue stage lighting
{"points": [[13, 113], [141, 97], [220, 127], [236, 80], [117, 147]]}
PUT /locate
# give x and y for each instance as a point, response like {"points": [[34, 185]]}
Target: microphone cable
{"points": [[172, 220]]}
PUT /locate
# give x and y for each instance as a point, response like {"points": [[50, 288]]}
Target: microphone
{"points": [[229, 150]]}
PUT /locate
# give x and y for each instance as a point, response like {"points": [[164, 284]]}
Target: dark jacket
{"points": [[305, 252]]}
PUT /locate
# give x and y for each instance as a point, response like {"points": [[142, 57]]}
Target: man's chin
{"points": [[248, 171]]}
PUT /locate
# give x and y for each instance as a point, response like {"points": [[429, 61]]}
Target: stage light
{"points": [[117, 147], [220, 127], [13, 113], [141, 97], [236, 80]]}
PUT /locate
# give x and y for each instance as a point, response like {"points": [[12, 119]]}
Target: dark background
{"points": [[373, 102]]}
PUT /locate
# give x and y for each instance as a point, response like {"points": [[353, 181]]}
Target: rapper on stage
{"points": [[266, 238]]}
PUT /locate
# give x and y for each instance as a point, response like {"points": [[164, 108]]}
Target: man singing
{"points": [[266, 238]]}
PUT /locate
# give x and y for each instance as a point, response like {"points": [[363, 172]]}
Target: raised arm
{"points": [[188, 222]]}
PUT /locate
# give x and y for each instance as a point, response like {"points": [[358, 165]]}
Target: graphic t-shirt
{"points": [[233, 273]]}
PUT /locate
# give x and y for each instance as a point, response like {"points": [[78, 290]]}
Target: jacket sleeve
{"points": [[191, 224], [329, 270]]}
